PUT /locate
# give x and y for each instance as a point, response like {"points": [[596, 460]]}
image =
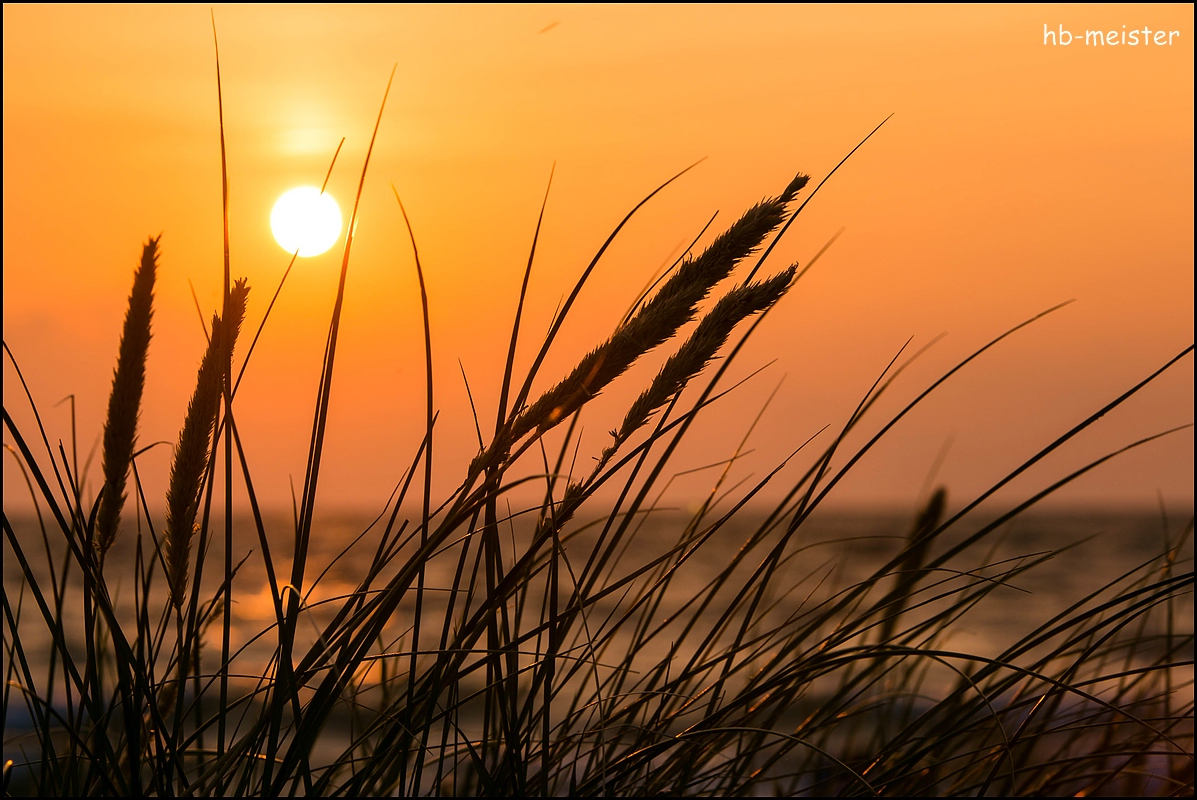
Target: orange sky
{"points": [[1012, 176]]}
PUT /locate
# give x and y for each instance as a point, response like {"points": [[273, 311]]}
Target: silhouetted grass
{"points": [[547, 650]]}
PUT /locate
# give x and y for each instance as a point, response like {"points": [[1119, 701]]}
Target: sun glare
{"points": [[306, 220]]}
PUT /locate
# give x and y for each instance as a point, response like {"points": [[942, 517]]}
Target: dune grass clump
{"points": [[576, 644]]}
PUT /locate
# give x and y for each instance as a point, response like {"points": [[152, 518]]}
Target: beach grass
{"points": [[556, 647]]}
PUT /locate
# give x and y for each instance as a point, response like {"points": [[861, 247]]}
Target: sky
{"points": [[1021, 168]]}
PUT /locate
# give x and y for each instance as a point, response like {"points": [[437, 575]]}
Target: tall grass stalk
{"points": [[124, 403], [192, 453], [588, 641]]}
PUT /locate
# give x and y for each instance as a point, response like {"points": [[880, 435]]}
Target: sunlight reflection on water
{"points": [[1080, 553]]}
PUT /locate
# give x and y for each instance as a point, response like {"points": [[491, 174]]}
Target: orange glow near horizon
{"points": [[1017, 172]]}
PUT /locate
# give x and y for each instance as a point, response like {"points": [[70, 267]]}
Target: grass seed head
{"points": [[674, 304], [124, 403], [194, 446]]}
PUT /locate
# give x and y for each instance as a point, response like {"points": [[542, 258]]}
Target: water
{"points": [[1079, 552], [1073, 556]]}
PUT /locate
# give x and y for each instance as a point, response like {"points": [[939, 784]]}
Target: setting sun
{"points": [[306, 220]]}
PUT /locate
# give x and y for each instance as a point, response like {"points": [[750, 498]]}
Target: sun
{"points": [[306, 220]]}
